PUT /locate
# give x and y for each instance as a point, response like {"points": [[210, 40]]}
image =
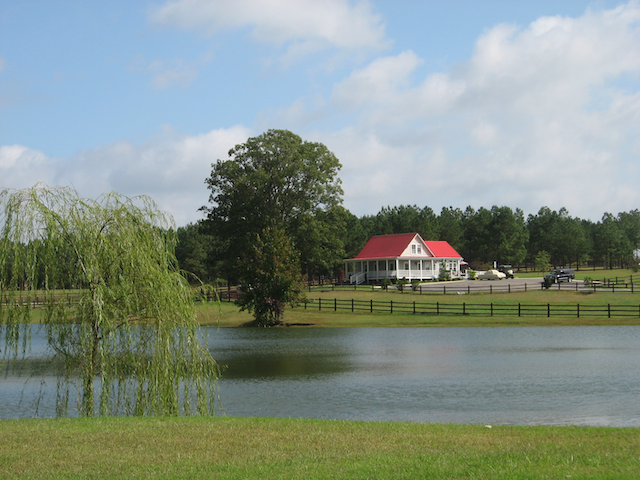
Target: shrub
{"points": [[445, 274]]}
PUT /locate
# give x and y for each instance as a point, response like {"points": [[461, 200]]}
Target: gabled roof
{"points": [[386, 246], [392, 246]]}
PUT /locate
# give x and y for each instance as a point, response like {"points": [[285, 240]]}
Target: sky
{"points": [[428, 103]]}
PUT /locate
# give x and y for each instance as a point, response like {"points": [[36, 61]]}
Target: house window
{"points": [[392, 265], [413, 249], [419, 250], [406, 265]]}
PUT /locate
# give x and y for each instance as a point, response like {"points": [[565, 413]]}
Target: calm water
{"points": [[524, 376]]}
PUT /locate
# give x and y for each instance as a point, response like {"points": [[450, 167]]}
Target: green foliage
{"points": [[192, 252], [542, 261], [563, 237], [386, 282], [444, 275], [277, 180], [415, 284], [130, 344], [401, 283], [472, 274], [273, 278]]}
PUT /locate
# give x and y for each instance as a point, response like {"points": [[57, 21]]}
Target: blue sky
{"points": [[455, 103]]}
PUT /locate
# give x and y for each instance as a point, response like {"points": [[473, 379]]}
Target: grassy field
{"points": [[248, 448], [228, 315]]}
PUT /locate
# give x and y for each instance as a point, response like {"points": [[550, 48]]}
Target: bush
{"points": [[415, 283], [400, 284], [445, 274], [471, 274]]}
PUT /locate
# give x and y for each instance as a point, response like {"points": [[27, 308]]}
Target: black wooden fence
{"points": [[485, 309]]}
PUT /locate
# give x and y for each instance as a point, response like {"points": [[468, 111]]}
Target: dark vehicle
{"points": [[561, 275], [507, 270]]}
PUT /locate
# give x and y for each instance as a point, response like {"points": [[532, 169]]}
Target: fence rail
{"points": [[485, 309], [489, 287]]}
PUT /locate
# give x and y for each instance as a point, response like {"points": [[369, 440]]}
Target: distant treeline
{"points": [[499, 234]]}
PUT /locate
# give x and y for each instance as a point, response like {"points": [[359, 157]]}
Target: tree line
{"points": [[500, 234]]}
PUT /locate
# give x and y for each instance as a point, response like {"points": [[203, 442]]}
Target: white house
{"points": [[403, 255]]}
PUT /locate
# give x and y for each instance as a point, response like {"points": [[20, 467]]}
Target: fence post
{"points": [[391, 305], [352, 305], [492, 309], [509, 288], [371, 306], [468, 288], [464, 308], [414, 307], [335, 304], [320, 304], [525, 287], [437, 308], [609, 310], [548, 310], [490, 288], [519, 307], [578, 310]]}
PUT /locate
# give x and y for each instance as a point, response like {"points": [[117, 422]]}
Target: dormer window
{"points": [[419, 250], [413, 249]]}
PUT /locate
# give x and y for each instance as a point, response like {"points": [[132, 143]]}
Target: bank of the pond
{"points": [[228, 315], [311, 449]]}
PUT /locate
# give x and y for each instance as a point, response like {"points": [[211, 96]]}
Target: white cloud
{"points": [[168, 167], [535, 117], [300, 25], [377, 83]]}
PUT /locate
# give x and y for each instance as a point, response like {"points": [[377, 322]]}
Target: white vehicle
{"points": [[491, 275]]}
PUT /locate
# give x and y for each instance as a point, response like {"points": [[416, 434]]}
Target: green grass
{"points": [[259, 448], [228, 315]]}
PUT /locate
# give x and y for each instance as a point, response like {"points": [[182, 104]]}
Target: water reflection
{"points": [[555, 375]]}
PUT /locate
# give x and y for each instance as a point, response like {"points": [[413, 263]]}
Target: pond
{"points": [[519, 375]]}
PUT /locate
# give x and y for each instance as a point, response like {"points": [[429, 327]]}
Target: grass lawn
{"points": [[259, 448], [228, 315]]}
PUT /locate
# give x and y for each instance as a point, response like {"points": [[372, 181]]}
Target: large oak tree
{"points": [[277, 180]]}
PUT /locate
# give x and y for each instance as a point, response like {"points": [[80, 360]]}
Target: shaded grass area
{"points": [[228, 315], [311, 449]]}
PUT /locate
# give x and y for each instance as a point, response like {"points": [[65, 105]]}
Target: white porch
{"points": [[361, 271]]}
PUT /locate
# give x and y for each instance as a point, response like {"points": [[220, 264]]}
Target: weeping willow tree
{"points": [[101, 277]]}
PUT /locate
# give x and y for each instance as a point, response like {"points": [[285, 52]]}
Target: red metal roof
{"points": [[392, 246], [441, 249], [386, 246]]}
